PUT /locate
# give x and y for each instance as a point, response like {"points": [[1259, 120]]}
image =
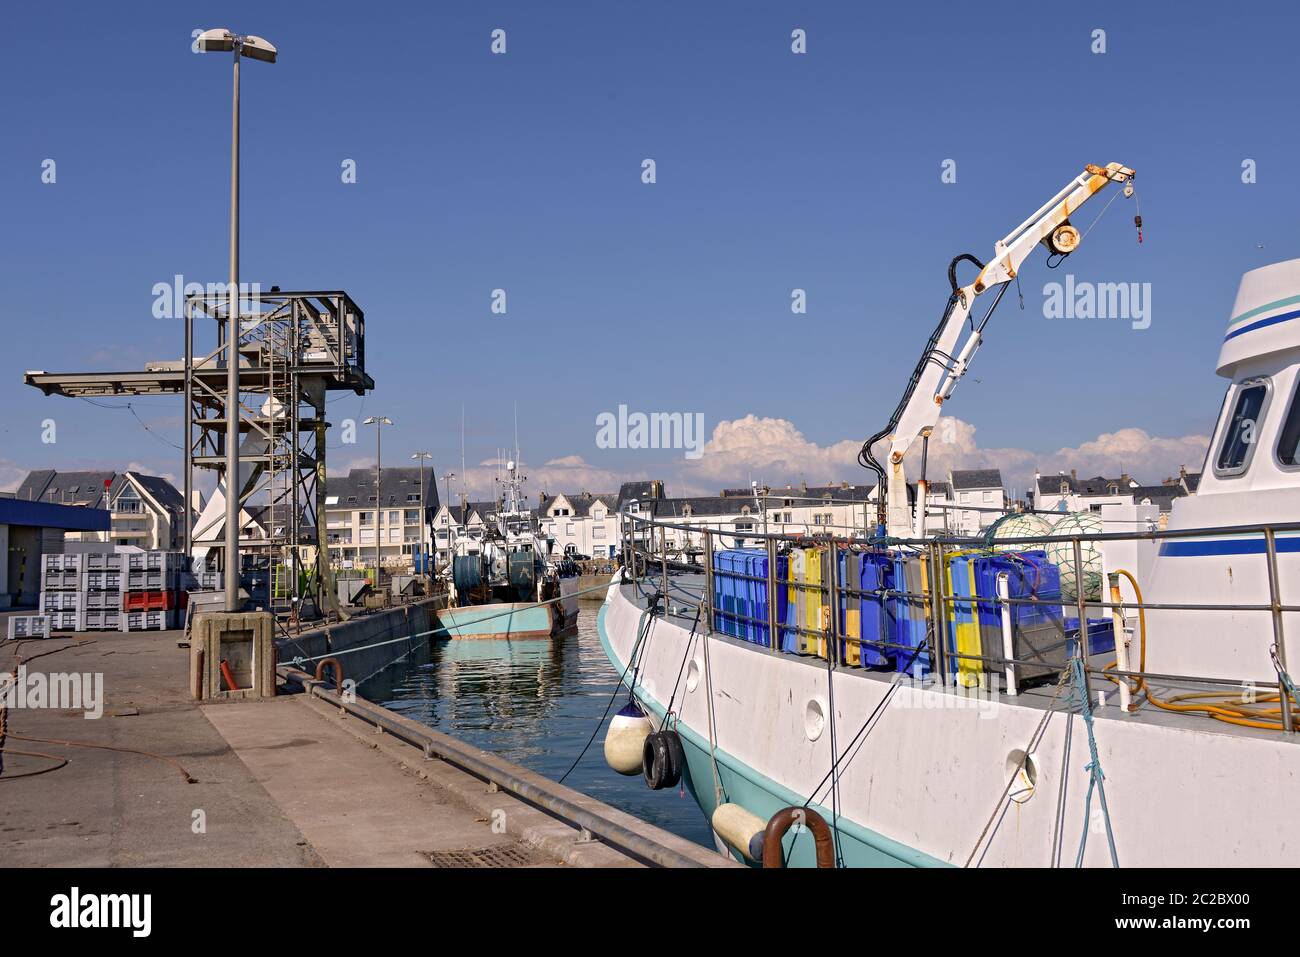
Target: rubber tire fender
{"points": [[662, 760]]}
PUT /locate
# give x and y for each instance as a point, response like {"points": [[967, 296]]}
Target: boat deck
{"points": [[685, 591]]}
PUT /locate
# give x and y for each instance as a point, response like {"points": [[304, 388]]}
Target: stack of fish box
{"points": [[806, 598], [29, 626], [867, 615], [82, 592], [911, 586], [154, 598], [207, 578], [974, 616], [740, 594]]}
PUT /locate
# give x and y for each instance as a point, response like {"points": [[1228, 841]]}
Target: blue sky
{"points": [[522, 171]]}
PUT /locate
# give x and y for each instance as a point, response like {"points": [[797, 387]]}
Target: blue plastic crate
{"points": [[878, 627], [1029, 575], [1101, 636], [740, 593], [909, 616]]}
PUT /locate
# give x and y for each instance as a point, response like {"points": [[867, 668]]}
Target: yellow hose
{"points": [[1222, 708]]}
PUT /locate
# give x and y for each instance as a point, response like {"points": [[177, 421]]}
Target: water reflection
{"points": [[536, 702]]}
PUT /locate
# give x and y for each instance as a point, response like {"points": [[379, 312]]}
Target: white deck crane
{"points": [[942, 365]]}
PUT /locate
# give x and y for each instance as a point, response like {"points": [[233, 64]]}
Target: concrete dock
{"points": [[292, 781]]}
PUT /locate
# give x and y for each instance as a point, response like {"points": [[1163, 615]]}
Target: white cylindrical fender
{"points": [[740, 829], [625, 739]]}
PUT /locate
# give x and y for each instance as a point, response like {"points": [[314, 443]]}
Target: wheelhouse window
{"points": [[1242, 428], [1288, 444]]}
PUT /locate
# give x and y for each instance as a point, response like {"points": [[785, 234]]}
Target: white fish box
{"points": [[29, 626]]}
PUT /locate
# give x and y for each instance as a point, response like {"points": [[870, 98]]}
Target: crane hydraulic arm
{"points": [[943, 363]]}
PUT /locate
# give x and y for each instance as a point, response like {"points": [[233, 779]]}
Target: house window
{"points": [[598, 531], [412, 516], [367, 518]]}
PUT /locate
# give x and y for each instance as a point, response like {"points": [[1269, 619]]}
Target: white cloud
{"points": [[775, 452], [11, 476]]}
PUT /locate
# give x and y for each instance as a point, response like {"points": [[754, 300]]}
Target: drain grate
{"points": [[500, 855]]}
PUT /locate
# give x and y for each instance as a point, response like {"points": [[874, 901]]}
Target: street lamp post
{"points": [[222, 40], [422, 456], [378, 421]]}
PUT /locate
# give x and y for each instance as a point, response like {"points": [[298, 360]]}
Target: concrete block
{"points": [[246, 641]]}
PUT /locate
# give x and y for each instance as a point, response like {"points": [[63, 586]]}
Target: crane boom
{"points": [[943, 364]]}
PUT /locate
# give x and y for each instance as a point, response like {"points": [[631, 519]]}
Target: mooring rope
{"points": [[1096, 779]]}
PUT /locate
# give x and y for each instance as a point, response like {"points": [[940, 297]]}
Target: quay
{"points": [[305, 779]]}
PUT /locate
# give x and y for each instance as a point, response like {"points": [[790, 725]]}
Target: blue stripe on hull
{"points": [[1262, 324], [1183, 548], [759, 794]]}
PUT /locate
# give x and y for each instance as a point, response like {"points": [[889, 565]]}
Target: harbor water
{"points": [[534, 702]]}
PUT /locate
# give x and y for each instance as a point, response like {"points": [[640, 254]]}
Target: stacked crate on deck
{"points": [[881, 613], [82, 592], [740, 593], [154, 597]]}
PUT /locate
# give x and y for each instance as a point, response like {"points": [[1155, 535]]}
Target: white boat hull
{"points": [[921, 787]]}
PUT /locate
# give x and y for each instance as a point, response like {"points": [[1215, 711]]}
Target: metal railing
{"points": [[645, 555]]}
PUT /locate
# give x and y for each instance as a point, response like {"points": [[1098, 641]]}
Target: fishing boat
{"points": [[507, 582], [1095, 692]]}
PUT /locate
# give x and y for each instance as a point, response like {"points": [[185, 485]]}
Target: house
{"points": [[632, 494], [451, 520], [1072, 494], [976, 498], [842, 509], [146, 510], [1188, 481], [357, 522], [1069, 493], [583, 523]]}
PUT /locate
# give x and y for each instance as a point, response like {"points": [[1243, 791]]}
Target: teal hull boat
{"points": [[497, 620]]}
